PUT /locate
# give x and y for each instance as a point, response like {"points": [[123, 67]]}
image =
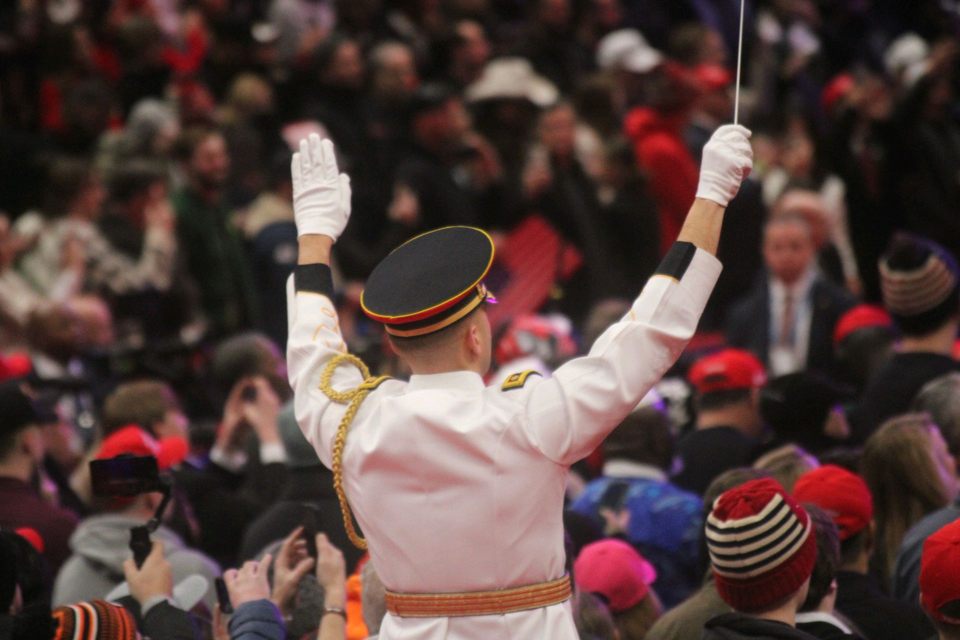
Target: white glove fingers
{"points": [[317, 161], [345, 193], [330, 170], [295, 173], [305, 164]]}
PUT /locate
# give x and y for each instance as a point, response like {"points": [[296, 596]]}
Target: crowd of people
{"points": [[793, 476]]}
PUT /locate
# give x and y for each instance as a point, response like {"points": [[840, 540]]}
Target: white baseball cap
{"points": [[627, 49]]}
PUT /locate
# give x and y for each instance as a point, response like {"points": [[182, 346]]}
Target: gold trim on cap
{"points": [[481, 294]]}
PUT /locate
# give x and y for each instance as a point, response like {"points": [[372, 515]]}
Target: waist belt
{"points": [[478, 603]]}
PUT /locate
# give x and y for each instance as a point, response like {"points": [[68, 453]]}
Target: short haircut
{"points": [[143, 403], [788, 217], [380, 53], [135, 177], [8, 442], [644, 436], [417, 344], [828, 557], [721, 399], [239, 357]]}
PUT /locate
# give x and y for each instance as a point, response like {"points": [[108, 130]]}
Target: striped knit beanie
{"points": [[761, 545], [917, 277], [95, 620]]}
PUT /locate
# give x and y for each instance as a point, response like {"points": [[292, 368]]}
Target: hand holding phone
{"points": [[140, 544], [291, 566]]}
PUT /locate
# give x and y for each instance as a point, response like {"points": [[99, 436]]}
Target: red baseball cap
{"points": [[727, 370], [33, 537], [860, 317], [939, 568], [841, 493], [616, 571], [712, 77], [837, 88], [132, 440]]}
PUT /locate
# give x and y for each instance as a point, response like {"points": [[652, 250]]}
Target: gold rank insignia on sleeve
{"points": [[517, 380]]}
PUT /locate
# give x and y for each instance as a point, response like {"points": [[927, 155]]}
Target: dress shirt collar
{"points": [[465, 380], [800, 289], [620, 468], [826, 618]]}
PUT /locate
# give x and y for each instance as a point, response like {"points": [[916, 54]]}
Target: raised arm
{"points": [[321, 205], [567, 415]]}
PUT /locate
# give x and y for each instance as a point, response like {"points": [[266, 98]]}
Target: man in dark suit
{"points": [[787, 319]]}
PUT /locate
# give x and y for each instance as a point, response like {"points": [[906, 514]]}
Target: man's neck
{"points": [[799, 285], [861, 565], [432, 368], [741, 417], [19, 469], [206, 194], [940, 341]]}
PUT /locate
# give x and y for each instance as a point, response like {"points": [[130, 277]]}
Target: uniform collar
{"points": [[465, 380]]}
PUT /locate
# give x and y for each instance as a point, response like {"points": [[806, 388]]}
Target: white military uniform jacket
{"points": [[458, 486]]}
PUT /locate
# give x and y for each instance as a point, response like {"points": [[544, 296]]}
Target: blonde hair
{"points": [[900, 469], [635, 622], [592, 617], [786, 464]]}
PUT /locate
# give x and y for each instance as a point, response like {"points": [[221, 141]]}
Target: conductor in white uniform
{"points": [[458, 487]]}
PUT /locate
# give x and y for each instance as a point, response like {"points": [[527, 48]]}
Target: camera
{"points": [[128, 476], [125, 476]]}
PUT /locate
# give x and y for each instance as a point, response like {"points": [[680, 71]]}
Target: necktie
{"points": [[787, 320]]}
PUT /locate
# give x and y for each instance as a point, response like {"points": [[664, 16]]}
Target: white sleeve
{"points": [[314, 338], [566, 416]]}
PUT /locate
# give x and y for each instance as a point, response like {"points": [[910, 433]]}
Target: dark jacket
{"points": [[225, 503], [879, 617], [163, 621], [706, 453], [748, 324], [216, 258], [21, 506], [893, 388], [737, 626], [257, 620]]}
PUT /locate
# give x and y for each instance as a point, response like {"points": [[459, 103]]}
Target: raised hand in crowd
{"points": [[151, 585], [321, 194], [249, 582], [251, 404], [255, 617], [153, 580], [291, 565], [158, 213], [332, 576]]}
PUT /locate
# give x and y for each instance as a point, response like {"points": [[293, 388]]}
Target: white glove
{"points": [[727, 161], [321, 194]]}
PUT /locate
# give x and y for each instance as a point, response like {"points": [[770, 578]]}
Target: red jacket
{"points": [[662, 154]]}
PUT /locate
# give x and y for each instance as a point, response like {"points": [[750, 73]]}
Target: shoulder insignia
{"points": [[517, 380]]}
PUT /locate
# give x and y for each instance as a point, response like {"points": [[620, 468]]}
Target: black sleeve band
{"points": [[314, 278], [678, 258]]}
